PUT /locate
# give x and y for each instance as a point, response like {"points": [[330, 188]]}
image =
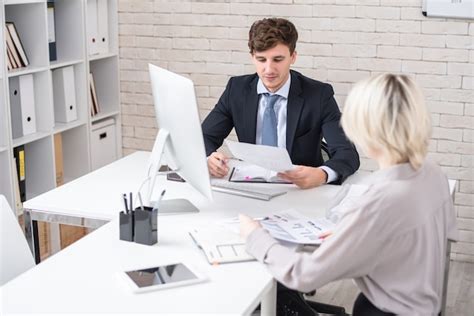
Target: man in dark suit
{"points": [[281, 107]]}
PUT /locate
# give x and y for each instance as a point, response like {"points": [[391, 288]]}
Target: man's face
{"points": [[273, 66]]}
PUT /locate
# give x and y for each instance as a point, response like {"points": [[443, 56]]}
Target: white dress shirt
{"points": [[280, 108]]}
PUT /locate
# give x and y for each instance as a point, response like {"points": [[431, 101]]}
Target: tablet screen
{"points": [[161, 275]]}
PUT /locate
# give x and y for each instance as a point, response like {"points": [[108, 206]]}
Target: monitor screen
{"points": [[178, 118]]}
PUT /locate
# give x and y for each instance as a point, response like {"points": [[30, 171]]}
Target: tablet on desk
{"points": [[161, 277]]}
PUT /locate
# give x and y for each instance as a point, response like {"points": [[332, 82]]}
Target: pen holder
{"points": [[146, 226], [126, 226]]}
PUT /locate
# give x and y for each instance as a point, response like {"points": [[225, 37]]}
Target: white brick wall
{"points": [[341, 41]]}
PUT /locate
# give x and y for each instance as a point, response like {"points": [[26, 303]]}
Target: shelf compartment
{"points": [[102, 27], [81, 93], [74, 153], [42, 105], [106, 79], [29, 19], [69, 30], [39, 167]]}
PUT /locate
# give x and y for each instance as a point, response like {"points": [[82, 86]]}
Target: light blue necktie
{"points": [[269, 123]]}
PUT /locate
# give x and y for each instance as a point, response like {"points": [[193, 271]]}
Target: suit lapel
{"points": [[251, 109], [294, 108]]}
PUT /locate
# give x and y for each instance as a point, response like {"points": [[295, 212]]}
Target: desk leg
{"points": [[31, 233], [269, 301]]}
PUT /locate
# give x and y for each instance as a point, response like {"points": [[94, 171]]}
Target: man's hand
{"points": [[217, 164], [247, 225], [305, 177]]}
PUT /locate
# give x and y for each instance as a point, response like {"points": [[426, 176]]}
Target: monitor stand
{"points": [[172, 206]]}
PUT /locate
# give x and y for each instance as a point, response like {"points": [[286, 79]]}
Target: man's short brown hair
{"points": [[268, 33]]}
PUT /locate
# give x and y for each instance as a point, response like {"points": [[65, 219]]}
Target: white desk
{"points": [[82, 278], [96, 198]]}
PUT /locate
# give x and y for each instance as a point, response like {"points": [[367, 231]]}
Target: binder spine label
{"points": [[21, 162]]}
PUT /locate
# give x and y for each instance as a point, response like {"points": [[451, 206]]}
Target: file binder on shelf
{"points": [[22, 102], [102, 26], [19, 157], [65, 107], [16, 184], [51, 31], [92, 27], [58, 159]]}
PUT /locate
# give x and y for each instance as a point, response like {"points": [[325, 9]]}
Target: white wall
{"points": [[341, 41]]}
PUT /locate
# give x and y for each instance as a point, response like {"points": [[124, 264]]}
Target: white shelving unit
{"points": [[72, 28]]}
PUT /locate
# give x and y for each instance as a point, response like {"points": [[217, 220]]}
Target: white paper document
{"points": [[220, 244], [268, 157], [296, 228], [290, 226]]}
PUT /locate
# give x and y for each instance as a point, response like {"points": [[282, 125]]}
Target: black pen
{"points": [[131, 201], [125, 202]]}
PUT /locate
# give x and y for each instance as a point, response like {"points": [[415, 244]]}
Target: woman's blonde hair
{"points": [[388, 113]]}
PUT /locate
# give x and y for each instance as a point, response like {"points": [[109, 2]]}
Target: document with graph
{"points": [[293, 227]]}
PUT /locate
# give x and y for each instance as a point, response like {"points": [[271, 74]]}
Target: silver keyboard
{"points": [[250, 190]]}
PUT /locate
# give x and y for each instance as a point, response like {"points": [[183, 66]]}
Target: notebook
{"points": [[220, 245]]}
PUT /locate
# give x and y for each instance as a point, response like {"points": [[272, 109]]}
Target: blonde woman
{"points": [[392, 239]]}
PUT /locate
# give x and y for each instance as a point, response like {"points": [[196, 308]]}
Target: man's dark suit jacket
{"points": [[312, 113]]}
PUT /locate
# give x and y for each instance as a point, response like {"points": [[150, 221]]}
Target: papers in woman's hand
{"points": [[268, 157], [290, 226], [293, 227]]}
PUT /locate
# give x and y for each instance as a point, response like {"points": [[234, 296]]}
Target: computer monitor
{"points": [[179, 137]]}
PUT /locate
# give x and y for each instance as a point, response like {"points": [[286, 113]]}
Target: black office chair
{"points": [[293, 303]]}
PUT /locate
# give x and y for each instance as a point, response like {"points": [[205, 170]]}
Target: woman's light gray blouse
{"points": [[391, 240]]}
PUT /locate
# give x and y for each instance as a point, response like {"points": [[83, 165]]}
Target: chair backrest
{"points": [[15, 255]]}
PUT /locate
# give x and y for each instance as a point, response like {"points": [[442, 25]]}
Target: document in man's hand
{"points": [[220, 245], [253, 173], [268, 157]]}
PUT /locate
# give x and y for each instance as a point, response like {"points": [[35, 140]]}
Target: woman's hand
{"points": [[247, 225]]}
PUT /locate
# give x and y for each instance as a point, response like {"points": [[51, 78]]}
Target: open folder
{"points": [[256, 174]]}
